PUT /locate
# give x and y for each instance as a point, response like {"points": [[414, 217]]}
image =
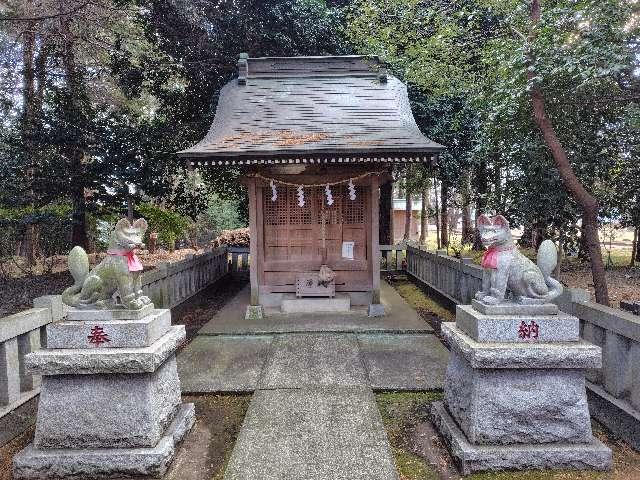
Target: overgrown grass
{"points": [[401, 411], [419, 300]]}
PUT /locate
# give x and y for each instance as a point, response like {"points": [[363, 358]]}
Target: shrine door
{"points": [[294, 236]]}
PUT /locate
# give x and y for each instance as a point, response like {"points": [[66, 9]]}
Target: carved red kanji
{"points": [[529, 331], [98, 336]]}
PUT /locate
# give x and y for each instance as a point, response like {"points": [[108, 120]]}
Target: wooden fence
{"points": [[392, 259], [614, 390]]}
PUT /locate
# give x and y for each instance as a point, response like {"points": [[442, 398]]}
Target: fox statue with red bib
{"points": [[120, 271], [506, 269]]}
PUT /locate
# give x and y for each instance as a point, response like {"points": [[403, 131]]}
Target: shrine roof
{"points": [[343, 109]]}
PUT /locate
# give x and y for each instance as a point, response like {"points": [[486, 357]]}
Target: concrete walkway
{"points": [[313, 414]]}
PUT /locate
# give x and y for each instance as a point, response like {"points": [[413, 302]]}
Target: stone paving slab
{"points": [[401, 318], [404, 362], [310, 360], [312, 434], [222, 364]]}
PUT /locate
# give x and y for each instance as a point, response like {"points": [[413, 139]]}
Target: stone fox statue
{"points": [[505, 268], [120, 271]]}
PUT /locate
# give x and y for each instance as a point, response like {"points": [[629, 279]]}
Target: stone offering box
{"points": [[110, 403], [308, 285], [515, 395]]}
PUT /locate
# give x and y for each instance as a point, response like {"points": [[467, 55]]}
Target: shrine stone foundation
{"points": [[515, 395], [110, 404]]}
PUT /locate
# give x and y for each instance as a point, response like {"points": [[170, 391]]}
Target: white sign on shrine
{"points": [[347, 250]]}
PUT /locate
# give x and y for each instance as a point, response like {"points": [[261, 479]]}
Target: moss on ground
{"points": [[626, 465], [204, 452], [420, 301], [400, 412]]}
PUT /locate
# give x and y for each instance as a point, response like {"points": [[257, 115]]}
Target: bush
{"points": [[170, 225], [222, 214]]}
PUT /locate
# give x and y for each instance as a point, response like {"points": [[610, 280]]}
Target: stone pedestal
{"points": [[110, 399], [515, 395]]}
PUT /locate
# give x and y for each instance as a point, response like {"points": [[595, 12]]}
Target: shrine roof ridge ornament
{"points": [[338, 109]]}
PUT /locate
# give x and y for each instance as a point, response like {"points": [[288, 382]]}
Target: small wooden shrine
{"points": [[314, 137]]}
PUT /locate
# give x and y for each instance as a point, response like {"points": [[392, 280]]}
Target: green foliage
{"points": [[169, 225], [464, 62], [48, 228], [143, 85], [221, 214]]}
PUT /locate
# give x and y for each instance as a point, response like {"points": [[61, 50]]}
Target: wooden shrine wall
{"points": [[292, 236]]}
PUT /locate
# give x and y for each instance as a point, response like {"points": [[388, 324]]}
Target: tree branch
{"points": [[45, 17]]}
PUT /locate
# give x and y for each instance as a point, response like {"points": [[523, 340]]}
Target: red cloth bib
{"points": [[490, 257], [133, 262]]}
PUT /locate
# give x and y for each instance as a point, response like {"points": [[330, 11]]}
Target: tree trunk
{"points": [[481, 183], [424, 217], [130, 208], [587, 202], [444, 214], [558, 268], [28, 131], [634, 246], [386, 214], [76, 143], [435, 195], [467, 231], [407, 216]]}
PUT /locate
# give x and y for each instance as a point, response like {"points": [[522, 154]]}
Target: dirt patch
{"points": [[420, 454], [205, 451], [623, 282], [8, 450]]}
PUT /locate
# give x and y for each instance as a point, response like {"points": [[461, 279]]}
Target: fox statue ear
{"points": [[122, 224], [483, 221], [500, 221], [141, 224]]}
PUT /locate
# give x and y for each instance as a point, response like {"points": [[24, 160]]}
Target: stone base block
{"points": [[254, 312], [517, 406], [470, 458], [376, 310], [509, 355], [105, 411], [514, 308], [339, 304], [42, 464], [519, 327], [89, 361], [109, 333], [109, 314]]}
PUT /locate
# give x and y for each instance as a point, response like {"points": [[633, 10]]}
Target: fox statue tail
{"points": [[79, 268], [547, 261]]}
